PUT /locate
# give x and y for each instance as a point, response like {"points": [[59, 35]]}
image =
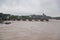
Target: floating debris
{"points": [[7, 22]]}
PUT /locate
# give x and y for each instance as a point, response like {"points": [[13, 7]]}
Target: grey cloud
{"points": [[49, 7]]}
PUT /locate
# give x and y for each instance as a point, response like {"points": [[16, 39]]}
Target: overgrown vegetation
{"points": [[12, 17]]}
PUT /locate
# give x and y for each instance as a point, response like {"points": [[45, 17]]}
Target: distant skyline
{"points": [[27, 7]]}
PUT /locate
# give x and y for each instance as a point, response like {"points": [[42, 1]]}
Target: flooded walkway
{"points": [[26, 30]]}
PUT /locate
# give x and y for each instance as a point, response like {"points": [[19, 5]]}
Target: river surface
{"points": [[30, 30]]}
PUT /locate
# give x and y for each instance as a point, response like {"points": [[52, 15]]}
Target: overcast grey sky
{"points": [[26, 7]]}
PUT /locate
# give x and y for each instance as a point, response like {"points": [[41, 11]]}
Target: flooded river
{"points": [[34, 30]]}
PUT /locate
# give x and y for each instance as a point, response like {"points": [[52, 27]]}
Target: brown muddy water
{"points": [[34, 30]]}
